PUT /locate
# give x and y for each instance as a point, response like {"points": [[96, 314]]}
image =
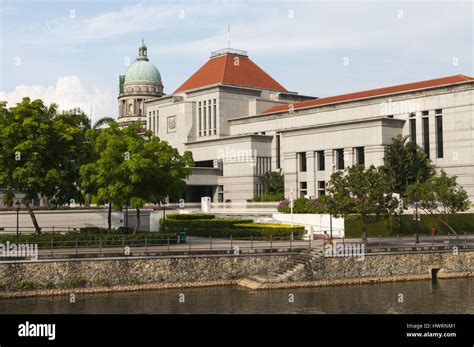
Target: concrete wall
{"points": [[64, 220], [317, 223]]}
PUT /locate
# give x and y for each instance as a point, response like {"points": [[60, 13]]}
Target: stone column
{"points": [[348, 157], [374, 155], [330, 164]]}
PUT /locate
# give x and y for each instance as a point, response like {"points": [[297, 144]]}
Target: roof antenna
{"points": [[228, 35]]}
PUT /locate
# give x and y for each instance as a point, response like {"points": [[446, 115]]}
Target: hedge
{"points": [[269, 226], [266, 233], [89, 239], [179, 225], [190, 216], [462, 222]]}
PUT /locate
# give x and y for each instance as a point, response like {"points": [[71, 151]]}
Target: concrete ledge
{"points": [[251, 284]]}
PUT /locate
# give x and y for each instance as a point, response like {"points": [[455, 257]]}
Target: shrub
{"points": [[90, 239], [300, 205], [462, 222], [268, 226], [218, 223], [267, 233], [191, 216]]}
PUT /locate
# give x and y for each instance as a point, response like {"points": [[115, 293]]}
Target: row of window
{"points": [[153, 121], [321, 186], [359, 154], [304, 188], [425, 131], [141, 89], [207, 117], [263, 165]]}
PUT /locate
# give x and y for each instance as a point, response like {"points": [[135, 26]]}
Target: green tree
{"points": [[440, 197], [39, 154], [366, 192], [406, 163], [273, 182], [133, 169]]}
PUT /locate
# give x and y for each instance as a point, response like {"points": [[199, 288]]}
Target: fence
{"points": [[198, 245], [167, 246]]}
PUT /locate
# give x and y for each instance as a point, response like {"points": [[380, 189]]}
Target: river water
{"points": [[445, 296]]}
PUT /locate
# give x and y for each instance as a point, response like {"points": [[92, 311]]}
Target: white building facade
{"points": [[240, 123]]}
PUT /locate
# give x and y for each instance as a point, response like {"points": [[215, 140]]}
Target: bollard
{"points": [[168, 243], [52, 252], [210, 242], [76, 247]]}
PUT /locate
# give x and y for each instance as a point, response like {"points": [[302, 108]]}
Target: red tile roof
{"points": [[437, 82], [223, 69]]}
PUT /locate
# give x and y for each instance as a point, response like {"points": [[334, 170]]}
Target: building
{"points": [[142, 81], [240, 123]]}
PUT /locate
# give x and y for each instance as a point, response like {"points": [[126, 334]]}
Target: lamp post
{"points": [[17, 206], [291, 205], [417, 220]]}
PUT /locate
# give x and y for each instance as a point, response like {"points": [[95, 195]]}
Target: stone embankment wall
{"points": [[328, 268], [84, 273]]}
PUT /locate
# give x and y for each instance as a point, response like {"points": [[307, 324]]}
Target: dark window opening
{"points": [[204, 163], [302, 160], [360, 156], [439, 136], [321, 161], [340, 159], [426, 135]]}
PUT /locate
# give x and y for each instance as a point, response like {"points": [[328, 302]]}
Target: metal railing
{"points": [[166, 246]]}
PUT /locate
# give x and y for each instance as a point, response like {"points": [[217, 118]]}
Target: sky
{"points": [[72, 52]]}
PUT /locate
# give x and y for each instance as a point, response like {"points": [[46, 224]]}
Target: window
{"points": [[321, 160], [303, 189], [439, 133], [321, 188], [204, 119], [278, 162], [200, 118], [220, 193], [340, 159], [302, 161], [209, 114], [154, 125], [390, 116], [360, 155], [426, 133], [413, 127], [215, 117]]}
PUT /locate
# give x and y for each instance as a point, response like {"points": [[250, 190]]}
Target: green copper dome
{"points": [[142, 70]]}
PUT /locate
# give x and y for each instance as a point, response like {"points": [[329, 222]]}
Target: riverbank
{"points": [[246, 283], [89, 276]]}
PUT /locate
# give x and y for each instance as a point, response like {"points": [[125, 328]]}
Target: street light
{"points": [[17, 206], [291, 205], [417, 220]]}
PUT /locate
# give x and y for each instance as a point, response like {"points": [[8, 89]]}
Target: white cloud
{"points": [[68, 93]]}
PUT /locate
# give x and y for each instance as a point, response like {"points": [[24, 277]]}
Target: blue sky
{"points": [[72, 52]]}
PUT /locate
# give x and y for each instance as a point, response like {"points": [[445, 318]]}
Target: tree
{"points": [[406, 163], [440, 197], [132, 169], [38, 154], [365, 192], [273, 182]]}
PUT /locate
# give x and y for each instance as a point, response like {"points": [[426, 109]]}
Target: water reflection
{"points": [[442, 296]]}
